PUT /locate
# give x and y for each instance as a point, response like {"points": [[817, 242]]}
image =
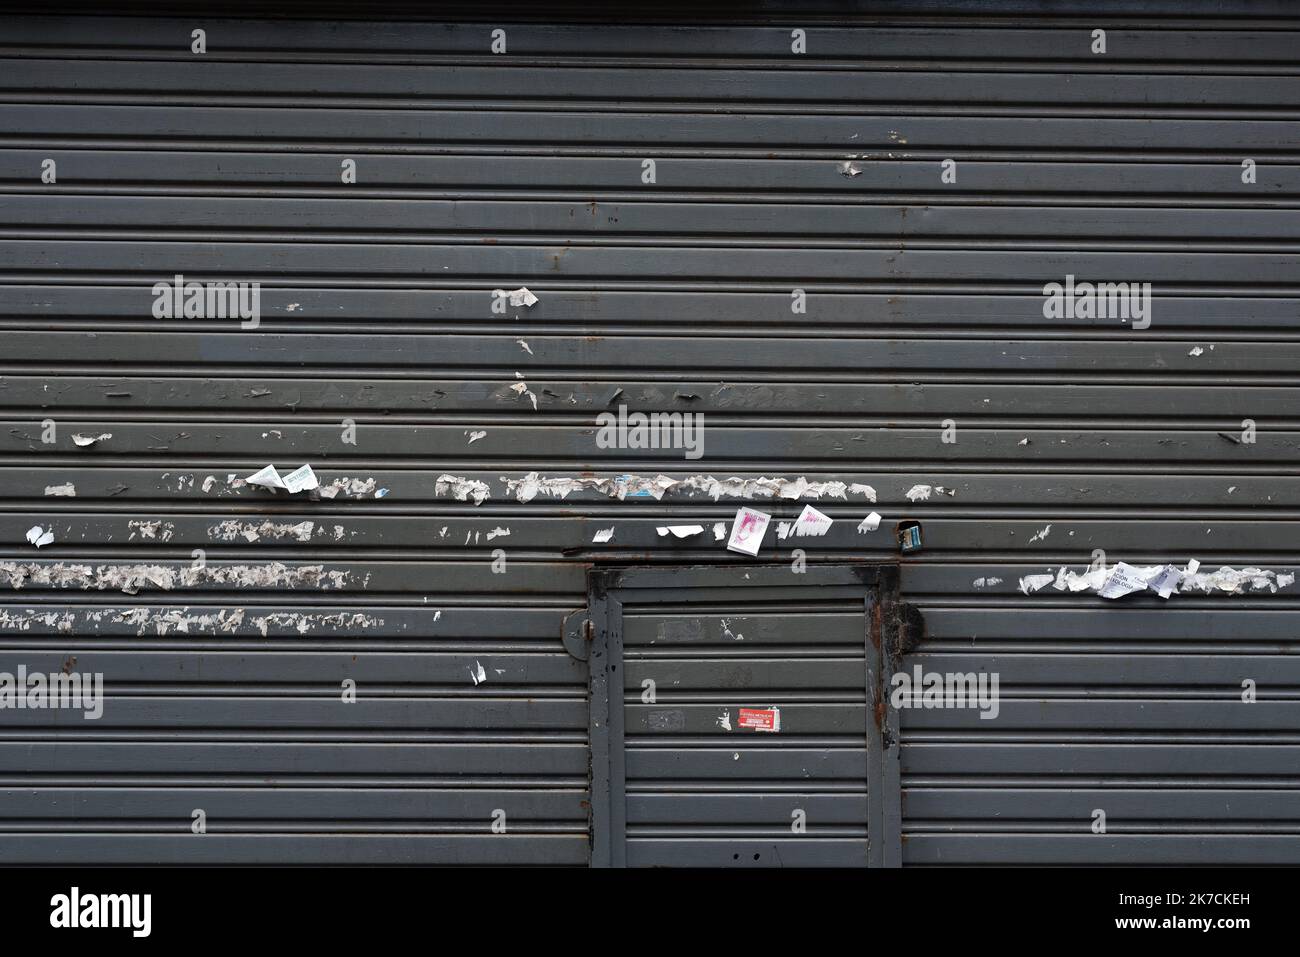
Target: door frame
{"points": [[878, 583]]}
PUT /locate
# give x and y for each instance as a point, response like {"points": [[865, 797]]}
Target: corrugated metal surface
{"points": [[478, 171]]}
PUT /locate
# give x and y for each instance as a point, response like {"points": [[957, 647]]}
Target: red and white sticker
{"points": [[760, 719]]}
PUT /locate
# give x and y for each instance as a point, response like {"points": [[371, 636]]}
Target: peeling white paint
{"points": [[635, 486], [232, 529], [24, 621], [348, 488], [521, 388], [161, 621], [131, 578], [461, 489], [155, 530]]}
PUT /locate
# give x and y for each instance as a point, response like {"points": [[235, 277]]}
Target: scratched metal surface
{"points": [[479, 171]]}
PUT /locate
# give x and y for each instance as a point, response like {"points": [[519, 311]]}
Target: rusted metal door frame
{"points": [[606, 588]]}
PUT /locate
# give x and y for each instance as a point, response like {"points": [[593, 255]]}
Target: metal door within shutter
{"points": [[668, 191], [738, 717]]}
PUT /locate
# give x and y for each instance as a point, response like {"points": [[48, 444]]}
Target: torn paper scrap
{"points": [[461, 489], [719, 531], [84, 440], [301, 479], [66, 490], [521, 297], [866, 491], [849, 169], [919, 493], [1031, 583], [870, 523], [38, 536], [1166, 581], [266, 477], [522, 389], [747, 531], [812, 522], [477, 674], [475, 436], [602, 536], [679, 531], [1124, 580]]}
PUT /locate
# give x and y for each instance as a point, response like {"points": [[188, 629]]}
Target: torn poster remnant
{"points": [[522, 296], [1165, 580], [759, 719], [747, 531], [870, 523], [1124, 580], [66, 490], [679, 531], [921, 493], [300, 479], [812, 523], [461, 489], [521, 389], [635, 486]]}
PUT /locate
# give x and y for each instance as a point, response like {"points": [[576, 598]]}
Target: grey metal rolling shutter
{"points": [[773, 171]]}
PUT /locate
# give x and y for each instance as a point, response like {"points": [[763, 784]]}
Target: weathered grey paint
{"points": [[479, 171]]}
